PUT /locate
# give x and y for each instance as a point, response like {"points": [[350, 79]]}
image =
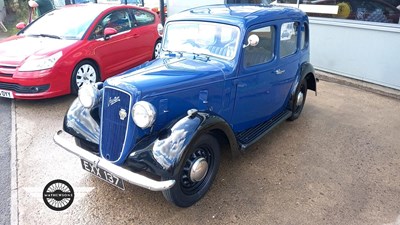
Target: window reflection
{"points": [[381, 11]]}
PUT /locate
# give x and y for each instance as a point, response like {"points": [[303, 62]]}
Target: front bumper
{"points": [[37, 84], [127, 175]]}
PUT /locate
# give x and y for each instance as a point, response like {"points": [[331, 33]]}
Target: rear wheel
{"points": [[157, 49], [299, 100], [85, 72], [197, 173]]}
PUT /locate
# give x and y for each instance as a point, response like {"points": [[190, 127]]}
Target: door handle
{"points": [[136, 35], [279, 71]]}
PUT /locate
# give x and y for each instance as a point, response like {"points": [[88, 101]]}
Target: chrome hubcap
{"points": [[198, 170], [86, 75], [300, 98]]}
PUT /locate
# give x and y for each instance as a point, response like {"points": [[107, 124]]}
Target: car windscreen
{"points": [[65, 23], [215, 39]]}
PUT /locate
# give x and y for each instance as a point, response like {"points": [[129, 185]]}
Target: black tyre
{"points": [[157, 49], [197, 172], [299, 100], [84, 72]]}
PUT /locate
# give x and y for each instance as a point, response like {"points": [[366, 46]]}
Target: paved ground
{"points": [[5, 159], [338, 163]]}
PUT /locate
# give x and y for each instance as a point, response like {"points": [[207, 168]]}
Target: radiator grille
{"points": [[113, 127]]}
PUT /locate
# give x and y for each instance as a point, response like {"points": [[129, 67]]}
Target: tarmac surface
{"points": [[338, 163]]}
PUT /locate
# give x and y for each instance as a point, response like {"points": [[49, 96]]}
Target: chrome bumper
{"points": [[122, 173]]}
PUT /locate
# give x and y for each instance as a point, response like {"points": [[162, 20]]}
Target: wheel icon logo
{"points": [[58, 195]]}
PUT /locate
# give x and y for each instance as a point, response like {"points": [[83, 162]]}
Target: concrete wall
{"points": [[360, 50]]}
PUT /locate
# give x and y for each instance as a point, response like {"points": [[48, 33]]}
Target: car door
{"points": [[264, 81], [118, 52], [145, 33], [288, 60], [253, 83]]}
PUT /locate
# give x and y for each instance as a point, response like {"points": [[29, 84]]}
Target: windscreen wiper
{"points": [[173, 53], [201, 56], [46, 35]]}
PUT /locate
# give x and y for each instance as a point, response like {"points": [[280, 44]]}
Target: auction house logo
{"points": [[58, 195]]}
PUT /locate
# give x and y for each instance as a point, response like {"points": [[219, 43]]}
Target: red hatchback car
{"points": [[77, 44]]}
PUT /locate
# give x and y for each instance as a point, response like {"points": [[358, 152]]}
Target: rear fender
{"points": [[307, 72]]}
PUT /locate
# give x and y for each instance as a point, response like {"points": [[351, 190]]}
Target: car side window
{"points": [[288, 40], [376, 11], [304, 36], [264, 50], [119, 20], [142, 17]]}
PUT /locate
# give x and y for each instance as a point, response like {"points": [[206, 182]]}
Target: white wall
{"points": [[360, 50]]}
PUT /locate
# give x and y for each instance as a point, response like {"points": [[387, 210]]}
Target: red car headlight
{"points": [[34, 64]]}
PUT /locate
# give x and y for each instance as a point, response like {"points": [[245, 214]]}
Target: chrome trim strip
{"points": [[129, 176]]}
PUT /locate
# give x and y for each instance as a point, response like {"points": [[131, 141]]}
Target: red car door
{"points": [[120, 51]]}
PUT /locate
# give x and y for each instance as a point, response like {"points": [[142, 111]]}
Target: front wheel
{"points": [[85, 72], [299, 100], [196, 173]]}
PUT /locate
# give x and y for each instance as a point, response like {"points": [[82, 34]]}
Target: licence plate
{"points": [[6, 94], [103, 174]]}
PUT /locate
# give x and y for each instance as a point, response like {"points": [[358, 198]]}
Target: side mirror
{"points": [[20, 25], [108, 32], [253, 41]]}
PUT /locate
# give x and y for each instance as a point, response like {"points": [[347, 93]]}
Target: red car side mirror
{"points": [[108, 32], [20, 25]]}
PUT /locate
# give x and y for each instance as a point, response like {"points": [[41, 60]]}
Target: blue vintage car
{"points": [[226, 76]]}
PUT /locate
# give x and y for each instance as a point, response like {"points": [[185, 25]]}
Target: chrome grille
{"points": [[113, 127]]}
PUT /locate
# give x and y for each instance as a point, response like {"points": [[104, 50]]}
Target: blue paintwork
{"points": [[230, 98]]}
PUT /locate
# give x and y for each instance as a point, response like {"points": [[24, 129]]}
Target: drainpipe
{"points": [[162, 12]]}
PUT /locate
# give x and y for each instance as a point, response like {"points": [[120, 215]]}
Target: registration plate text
{"points": [[103, 174]]}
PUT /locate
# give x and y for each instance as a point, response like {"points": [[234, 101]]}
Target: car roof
{"points": [[97, 7], [239, 14]]}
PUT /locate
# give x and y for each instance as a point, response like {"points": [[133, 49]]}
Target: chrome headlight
{"points": [[88, 95], [143, 114], [33, 64]]}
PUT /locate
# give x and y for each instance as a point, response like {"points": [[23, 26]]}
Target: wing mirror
{"points": [[108, 32], [253, 41], [20, 25]]}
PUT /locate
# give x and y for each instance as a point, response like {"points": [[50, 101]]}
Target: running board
{"points": [[251, 135]]}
